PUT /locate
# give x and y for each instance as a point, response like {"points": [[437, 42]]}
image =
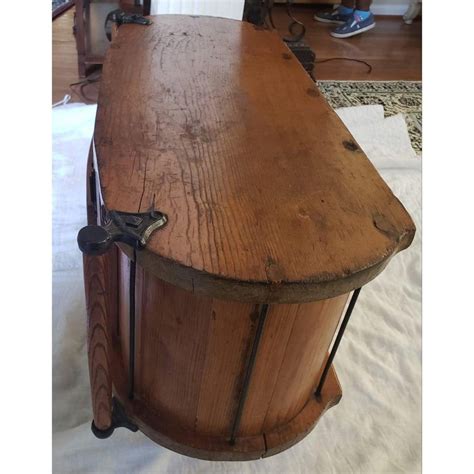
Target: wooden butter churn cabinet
{"points": [[233, 220]]}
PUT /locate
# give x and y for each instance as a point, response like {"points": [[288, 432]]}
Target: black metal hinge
{"points": [[122, 18], [129, 228]]}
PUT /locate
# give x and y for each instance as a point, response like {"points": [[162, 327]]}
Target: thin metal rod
{"points": [[352, 303], [131, 355], [248, 371]]}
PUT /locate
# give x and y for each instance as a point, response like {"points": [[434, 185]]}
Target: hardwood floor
{"points": [[392, 48], [64, 56]]}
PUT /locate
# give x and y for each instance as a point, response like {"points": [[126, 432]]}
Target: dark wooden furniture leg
{"points": [[78, 30], [146, 7]]}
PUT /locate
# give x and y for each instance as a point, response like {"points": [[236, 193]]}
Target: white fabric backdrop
{"points": [[376, 428]]}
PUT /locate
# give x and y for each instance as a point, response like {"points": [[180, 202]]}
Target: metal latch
{"points": [[129, 228], [121, 18]]}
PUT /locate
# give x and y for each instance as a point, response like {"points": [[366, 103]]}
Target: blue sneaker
{"points": [[355, 25], [333, 16]]}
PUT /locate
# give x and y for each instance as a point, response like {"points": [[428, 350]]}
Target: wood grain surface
{"points": [[291, 355], [269, 198], [100, 284], [96, 274]]}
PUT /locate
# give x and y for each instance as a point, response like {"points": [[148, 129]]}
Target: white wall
{"points": [[389, 7], [223, 8], [234, 8]]}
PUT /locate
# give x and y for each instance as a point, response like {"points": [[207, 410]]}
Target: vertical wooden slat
{"points": [[272, 350], [306, 350], [172, 329], [230, 338], [291, 354]]}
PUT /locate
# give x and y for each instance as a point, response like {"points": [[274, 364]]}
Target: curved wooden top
{"points": [[269, 198]]}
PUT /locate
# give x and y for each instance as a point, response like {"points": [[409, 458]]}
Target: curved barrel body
{"points": [[194, 353]]}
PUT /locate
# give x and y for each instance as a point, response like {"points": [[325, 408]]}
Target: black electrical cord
{"points": [[369, 66], [80, 85], [294, 24]]}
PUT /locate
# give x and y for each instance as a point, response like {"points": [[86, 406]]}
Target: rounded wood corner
{"points": [[302, 424], [258, 211]]}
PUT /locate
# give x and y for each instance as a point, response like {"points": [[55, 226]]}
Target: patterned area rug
{"points": [[396, 97]]}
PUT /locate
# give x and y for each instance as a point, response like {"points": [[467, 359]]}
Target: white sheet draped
{"points": [[376, 428]]}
